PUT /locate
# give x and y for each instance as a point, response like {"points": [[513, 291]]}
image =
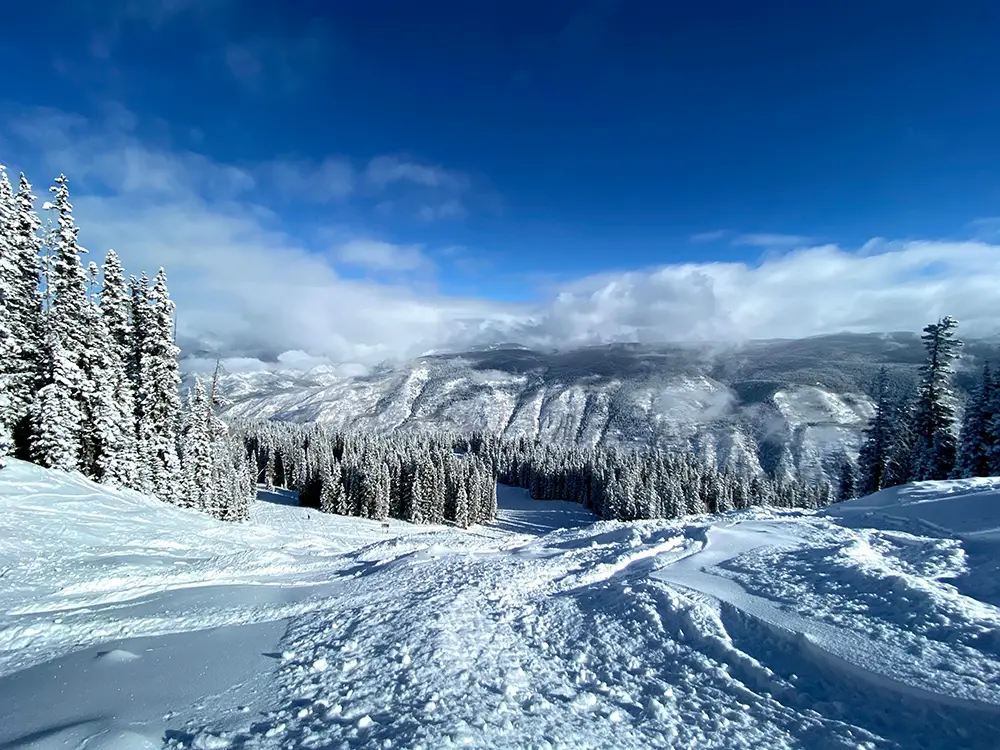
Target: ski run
{"points": [[130, 623]]}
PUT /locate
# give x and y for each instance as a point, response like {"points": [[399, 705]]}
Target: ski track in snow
{"points": [[125, 623]]}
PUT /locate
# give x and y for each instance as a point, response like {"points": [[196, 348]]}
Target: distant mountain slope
{"points": [[786, 405]]}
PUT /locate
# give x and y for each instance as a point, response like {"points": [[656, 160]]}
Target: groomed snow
{"points": [[125, 623]]}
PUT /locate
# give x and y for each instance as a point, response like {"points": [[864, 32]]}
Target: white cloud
{"points": [[450, 209], [376, 255], [385, 170], [325, 182], [772, 240], [433, 192], [712, 236], [113, 158], [810, 291], [251, 291]]}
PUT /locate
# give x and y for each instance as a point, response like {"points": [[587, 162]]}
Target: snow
{"points": [[126, 623]]}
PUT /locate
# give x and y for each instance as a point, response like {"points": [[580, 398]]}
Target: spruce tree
{"points": [[380, 509], [900, 466], [139, 330], [103, 434], [847, 485], [158, 395], [196, 453], [975, 440], [9, 343], [115, 309], [62, 383], [6, 441], [68, 312], [25, 309], [462, 504], [934, 415], [873, 457], [55, 413]]}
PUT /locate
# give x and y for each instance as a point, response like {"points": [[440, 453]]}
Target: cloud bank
{"points": [[250, 290]]}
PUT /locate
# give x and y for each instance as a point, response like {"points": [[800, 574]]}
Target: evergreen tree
{"points": [[104, 434], [68, 281], [6, 441], [873, 458], [381, 486], [975, 440], [55, 413], [847, 487], [25, 309], [139, 329], [900, 467], [197, 456], [59, 409], [9, 344], [115, 312], [934, 416], [462, 504], [158, 394]]}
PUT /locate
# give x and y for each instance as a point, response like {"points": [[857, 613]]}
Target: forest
{"points": [[89, 373]]}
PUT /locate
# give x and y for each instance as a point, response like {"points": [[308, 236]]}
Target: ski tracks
{"points": [[576, 639]]}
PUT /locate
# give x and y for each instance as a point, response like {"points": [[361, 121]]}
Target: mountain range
{"points": [[794, 406]]}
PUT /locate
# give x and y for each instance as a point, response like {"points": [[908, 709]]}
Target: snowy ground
{"points": [[125, 623]]}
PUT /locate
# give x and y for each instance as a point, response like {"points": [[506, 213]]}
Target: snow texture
{"points": [[129, 623]]}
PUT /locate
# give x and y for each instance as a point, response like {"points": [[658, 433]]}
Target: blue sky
{"points": [[509, 152]]}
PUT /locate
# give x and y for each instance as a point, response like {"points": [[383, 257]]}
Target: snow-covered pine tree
{"points": [[55, 413], [6, 442], [380, 509], [115, 309], [934, 414], [269, 470], [139, 313], [196, 453], [992, 428], [975, 441], [24, 308], [9, 344], [158, 395], [332, 498], [68, 280], [489, 496], [462, 500], [873, 457], [66, 329], [847, 485], [106, 434], [233, 477]]}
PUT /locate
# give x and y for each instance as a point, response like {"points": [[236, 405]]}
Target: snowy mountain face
{"points": [[801, 404], [130, 623]]}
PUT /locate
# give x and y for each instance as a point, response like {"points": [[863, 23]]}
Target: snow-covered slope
{"points": [[126, 624], [800, 404]]}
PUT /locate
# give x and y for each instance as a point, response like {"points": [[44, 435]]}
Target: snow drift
{"points": [[128, 623]]}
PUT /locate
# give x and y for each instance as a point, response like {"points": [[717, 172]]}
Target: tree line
{"points": [[915, 433], [417, 478], [442, 477], [89, 377]]}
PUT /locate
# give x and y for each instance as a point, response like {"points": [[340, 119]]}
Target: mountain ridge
{"points": [[785, 405]]}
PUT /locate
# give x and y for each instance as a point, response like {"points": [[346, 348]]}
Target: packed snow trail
{"points": [[126, 623]]}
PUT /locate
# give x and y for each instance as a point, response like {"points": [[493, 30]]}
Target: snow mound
{"points": [[117, 656], [961, 507]]}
